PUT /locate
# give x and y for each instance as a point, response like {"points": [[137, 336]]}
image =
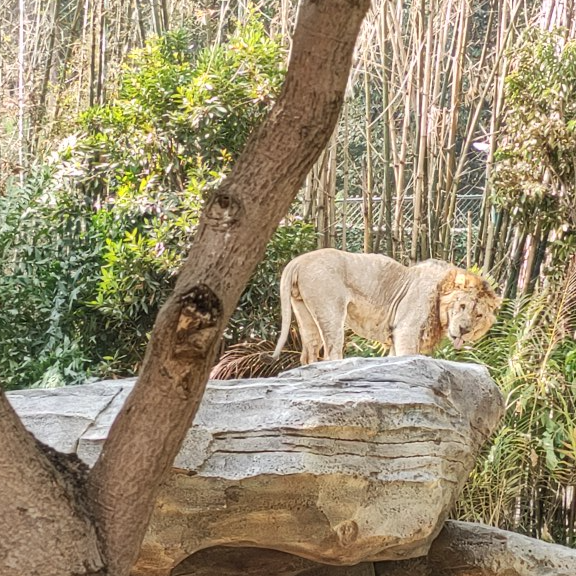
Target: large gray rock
{"points": [[467, 549], [461, 549], [339, 462], [464, 549]]}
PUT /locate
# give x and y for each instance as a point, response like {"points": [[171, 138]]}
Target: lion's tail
{"points": [[286, 281]]}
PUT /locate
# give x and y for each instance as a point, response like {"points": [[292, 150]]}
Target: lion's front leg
{"points": [[404, 342]]}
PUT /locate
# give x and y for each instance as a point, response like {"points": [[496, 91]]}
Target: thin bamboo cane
{"points": [[367, 188], [418, 234], [474, 117], [385, 215], [469, 243], [21, 89], [331, 188], [156, 17], [165, 16], [437, 129], [41, 111], [140, 20], [444, 103], [101, 77], [487, 234], [346, 175], [92, 76], [66, 62], [456, 93]]}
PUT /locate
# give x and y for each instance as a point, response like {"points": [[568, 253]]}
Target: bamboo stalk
{"points": [[92, 75], [346, 175], [331, 188], [469, 244], [385, 215], [21, 90], [156, 17], [100, 80], [367, 187], [473, 119], [487, 233], [424, 64], [165, 16], [41, 109], [456, 92], [140, 20], [66, 60]]}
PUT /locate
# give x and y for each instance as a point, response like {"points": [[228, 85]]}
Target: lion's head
{"points": [[467, 307]]}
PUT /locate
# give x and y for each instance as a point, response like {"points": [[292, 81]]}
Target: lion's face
{"points": [[468, 309]]}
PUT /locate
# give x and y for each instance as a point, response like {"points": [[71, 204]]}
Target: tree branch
{"points": [[238, 221], [44, 519]]}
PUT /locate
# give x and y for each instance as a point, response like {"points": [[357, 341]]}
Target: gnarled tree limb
{"points": [[45, 521]]}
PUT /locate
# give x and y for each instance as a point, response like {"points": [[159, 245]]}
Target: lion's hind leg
{"points": [[330, 322], [309, 333]]}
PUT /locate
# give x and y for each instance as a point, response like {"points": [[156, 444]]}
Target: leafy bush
{"points": [[49, 269], [535, 171], [91, 245]]}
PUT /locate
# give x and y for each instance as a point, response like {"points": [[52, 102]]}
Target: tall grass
{"points": [[525, 480]]}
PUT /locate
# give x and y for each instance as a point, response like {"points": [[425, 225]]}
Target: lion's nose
{"points": [[464, 330]]}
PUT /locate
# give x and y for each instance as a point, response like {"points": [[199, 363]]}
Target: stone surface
{"points": [[466, 549], [220, 561], [339, 462], [461, 549]]}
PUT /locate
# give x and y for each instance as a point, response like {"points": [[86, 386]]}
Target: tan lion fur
{"points": [[408, 309]]}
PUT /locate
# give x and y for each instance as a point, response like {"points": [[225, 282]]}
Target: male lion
{"points": [[408, 309]]}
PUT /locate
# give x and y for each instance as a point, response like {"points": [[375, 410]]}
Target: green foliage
{"points": [[524, 473], [49, 268], [90, 247], [536, 159], [258, 312], [181, 116], [252, 331]]}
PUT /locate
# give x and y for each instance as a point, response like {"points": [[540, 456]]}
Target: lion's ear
{"points": [[457, 279], [448, 284], [460, 279], [489, 291]]}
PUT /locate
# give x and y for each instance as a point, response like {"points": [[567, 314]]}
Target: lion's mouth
{"points": [[457, 341]]}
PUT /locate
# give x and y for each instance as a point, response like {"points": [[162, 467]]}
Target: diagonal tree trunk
{"points": [[97, 524]]}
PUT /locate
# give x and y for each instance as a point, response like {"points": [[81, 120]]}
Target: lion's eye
{"points": [[462, 306], [479, 315]]}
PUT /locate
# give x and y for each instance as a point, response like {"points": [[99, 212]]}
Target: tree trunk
{"points": [[44, 518], [238, 221]]}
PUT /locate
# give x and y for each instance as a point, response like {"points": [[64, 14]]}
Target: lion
{"points": [[407, 309]]}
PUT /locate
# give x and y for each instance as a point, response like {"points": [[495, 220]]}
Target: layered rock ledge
{"points": [[340, 462]]}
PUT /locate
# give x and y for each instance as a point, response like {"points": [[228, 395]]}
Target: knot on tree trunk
{"points": [[223, 210], [200, 313]]}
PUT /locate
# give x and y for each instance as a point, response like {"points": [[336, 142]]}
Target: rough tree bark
{"points": [[45, 521], [46, 501]]}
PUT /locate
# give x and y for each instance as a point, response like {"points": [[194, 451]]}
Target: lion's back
{"points": [[357, 274]]}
